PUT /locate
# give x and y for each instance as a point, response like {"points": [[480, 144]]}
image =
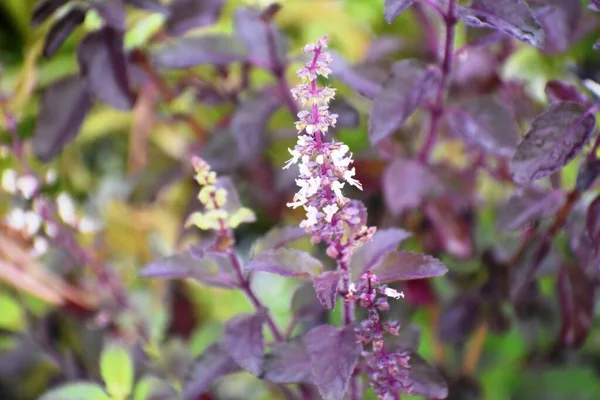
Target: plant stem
{"points": [[437, 110], [474, 349]]}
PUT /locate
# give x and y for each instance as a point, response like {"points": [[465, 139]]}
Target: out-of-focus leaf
{"points": [[190, 51], [63, 108], [594, 5], [404, 266], [383, 46], [61, 30], [305, 304], [368, 255], [12, 317], [290, 263], [326, 287], [211, 365], [558, 91], [451, 228], [367, 80], [592, 221], [511, 16], [576, 295], [557, 383], [191, 14], [459, 318], [152, 388], [76, 391], [487, 124], [112, 13], [402, 174], [426, 380], [150, 5], [278, 237], [348, 116], [333, 355], [243, 341], [288, 362], [412, 82], [527, 205], [587, 174], [560, 19], [117, 372], [554, 139], [393, 8], [103, 66], [144, 119], [44, 9]]}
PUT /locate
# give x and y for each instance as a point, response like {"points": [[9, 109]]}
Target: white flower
{"points": [[50, 176], [393, 293], [66, 209], [27, 185], [338, 159], [16, 219], [33, 222], [312, 215], [51, 229], [330, 210], [40, 246], [88, 225], [9, 181], [348, 176], [352, 288], [337, 186], [295, 157], [320, 159]]}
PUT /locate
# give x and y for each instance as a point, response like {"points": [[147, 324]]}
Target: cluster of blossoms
{"points": [[388, 372], [324, 167], [220, 213]]}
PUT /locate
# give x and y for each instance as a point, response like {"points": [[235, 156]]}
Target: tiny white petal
{"points": [[33, 222], [27, 185], [16, 219], [66, 209], [393, 293], [88, 225], [9, 181], [40, 246]]}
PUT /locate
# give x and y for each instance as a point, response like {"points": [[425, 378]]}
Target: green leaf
{"points": [[12, 317], [117, 371], [76, 391]]}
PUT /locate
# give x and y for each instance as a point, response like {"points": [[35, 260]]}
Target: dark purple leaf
{"points": [[348, 116], [458, 319], [63, 107], [288, 362], [405, 265], [557, 91], [150, 5], [222, 152], [402, 174], [511, 16], [587, 174], [112, 12], [326, 287], [592, 221], [383, 46], [527, 205], [487, 124], [594, 5], [249, 123], [408, 339], [44, 9], [393, 8], [61, 30], [267, 46], [523, 278], [278, 237], [333, 355], [191, 14], [103, 65], [243, 341], [365, 79], [554, 139], [305, 304], [368, 255], [211, 365], [290, 263], [426, 380], [187, 52], [452, 229], [576, 295], [560, 20], [412, 83]]}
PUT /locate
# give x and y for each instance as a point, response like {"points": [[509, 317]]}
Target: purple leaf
{"points": [[412, 83], [592, 221], [222, 152], [402, 174], [348, 116], [267, 46], [278, 237], [63, 107], [511, 16], [560, 20], [594, 5], [383, 242], [405, 265], [103, 65], [554, 139], [527, 205], [426, 380], [487, 124], [44, 9], [576, 295], [333, 355], [187, 52], [557, 91], [61, 30], [393, 8], [290, 263], [150, 5], [459, 319], [191, 14], [382, 47], [365, 79], [288, 362], [243, 341], [453, 230], [112, 12], [305, 304], [587, 174], [211, 365], [326, 287]]}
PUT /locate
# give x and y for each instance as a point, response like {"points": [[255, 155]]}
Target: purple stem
{"points": [[437, 110]]}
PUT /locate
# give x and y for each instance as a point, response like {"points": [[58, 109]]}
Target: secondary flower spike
{"points": [[324, 166]]}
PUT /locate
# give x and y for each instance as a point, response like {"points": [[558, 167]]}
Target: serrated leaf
{"points": [[487, 124], [405, 265], [402, 174], [44, 9], [190, 51], [576, 294], [290, 263], [527, 205], [185, 15], [116, 368], [211, 365], [333, 355], [104, 68], [288, 362], [368, 255], [426, 380], [61, 30], [326, 288], [511, 16], [412, 82], [76, 391], [278, 237], [554, 139], [243, 341], [63, 107], [393, 8]]}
